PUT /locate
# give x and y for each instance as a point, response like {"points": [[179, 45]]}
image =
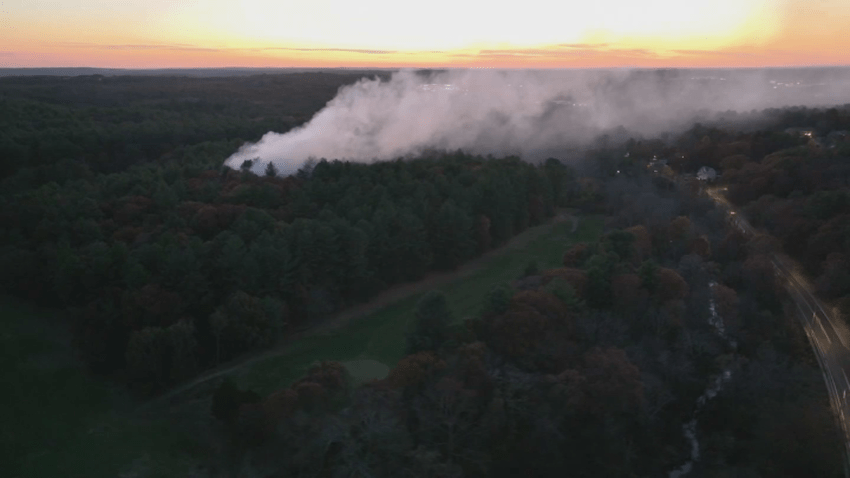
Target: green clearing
{"points": [[365, 370], [57, 420], [61, 421], [380, 336]]}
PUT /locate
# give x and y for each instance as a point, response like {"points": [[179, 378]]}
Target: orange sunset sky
{"points": [[426, 33]]}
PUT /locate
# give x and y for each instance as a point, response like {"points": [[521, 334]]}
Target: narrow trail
{"points": [[384, 298]]}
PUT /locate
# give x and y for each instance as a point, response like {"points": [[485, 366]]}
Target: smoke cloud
{"points": [[526, 112]]}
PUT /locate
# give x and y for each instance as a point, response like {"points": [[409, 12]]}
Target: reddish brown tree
{"points": [[311, 396], [471, 366], [680, 228], [545, 303], [206, 220], [518, 331], [643, 240], [671, 285], [628, 291], [607, 383], [576, 278], [576, 255], [280, 404], [332, 376], [132, 209], [726, 303], [612, 383], [701, 246], [414, 369]]}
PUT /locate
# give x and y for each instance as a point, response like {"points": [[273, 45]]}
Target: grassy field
{"points": [[380, 336], [60, 421], [57, 420]]}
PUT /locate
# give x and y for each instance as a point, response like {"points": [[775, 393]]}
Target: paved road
{"points": [[829, 338], [827, 333]]}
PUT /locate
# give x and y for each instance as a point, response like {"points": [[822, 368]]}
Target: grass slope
{"points": [[57, 420], [380, 336], [60, 421]]}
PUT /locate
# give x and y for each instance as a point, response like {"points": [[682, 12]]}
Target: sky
{"points": [[427, 33]]}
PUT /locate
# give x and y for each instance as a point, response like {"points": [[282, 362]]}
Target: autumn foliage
{"points": [[576, 255], [700, 246], [643, 240], [670, 285], [628, 291], [529, 319], [576, 278], [726, 303], [414, 369]]}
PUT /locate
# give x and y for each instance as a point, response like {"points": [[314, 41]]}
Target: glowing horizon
{"points": [[437, 33]]}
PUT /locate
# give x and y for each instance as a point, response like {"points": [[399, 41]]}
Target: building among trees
{"points": [[706, 173]]}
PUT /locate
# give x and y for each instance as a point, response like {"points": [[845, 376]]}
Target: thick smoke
{"points": [[528, 113]]}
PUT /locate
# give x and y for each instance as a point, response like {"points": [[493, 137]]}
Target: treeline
{"points": [[106, 124], [174, 267], [796, 187], [590, 370], [726, 140]]}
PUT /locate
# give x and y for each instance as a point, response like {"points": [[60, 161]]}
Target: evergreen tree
{"points": [[431, 322]]}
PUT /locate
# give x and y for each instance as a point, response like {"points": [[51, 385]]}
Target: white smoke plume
{"points": [[526, 112]]}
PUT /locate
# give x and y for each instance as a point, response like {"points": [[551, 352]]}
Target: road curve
{"points": [[828, 335]]}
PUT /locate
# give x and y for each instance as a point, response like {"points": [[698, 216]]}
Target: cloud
{"points": [[196, 48], [345, 50], [721, 53], [153, 46], [583, 46], [563, 51]]}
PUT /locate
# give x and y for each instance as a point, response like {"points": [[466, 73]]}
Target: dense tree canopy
{"points": [[245, 257], [115, 206], [550, 379]]}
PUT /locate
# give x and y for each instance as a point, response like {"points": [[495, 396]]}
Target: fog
{"points": [[530, 113]]}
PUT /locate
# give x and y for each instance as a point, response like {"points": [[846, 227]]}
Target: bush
{"points": [[497, 301], [227, 399], [430, 324]]}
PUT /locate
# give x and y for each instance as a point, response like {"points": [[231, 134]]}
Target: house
{"points": [[836, 137], [810, 132], [655, 165], [706, 174]]}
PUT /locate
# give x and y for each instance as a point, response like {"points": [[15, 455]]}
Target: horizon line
{"points": [[772, 67]]}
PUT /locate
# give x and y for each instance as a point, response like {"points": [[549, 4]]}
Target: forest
{"points": [[588, 369], [117, 210], [203, 263]]}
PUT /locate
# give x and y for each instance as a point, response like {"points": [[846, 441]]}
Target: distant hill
{"points": [[795, 73]]}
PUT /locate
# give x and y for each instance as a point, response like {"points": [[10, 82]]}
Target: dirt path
{"points": [[383, 299]]}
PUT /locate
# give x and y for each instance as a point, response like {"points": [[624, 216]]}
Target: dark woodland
{"points": [[115, 208]]}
